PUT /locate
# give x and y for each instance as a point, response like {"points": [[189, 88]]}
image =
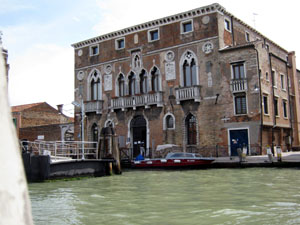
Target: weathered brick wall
{"points": [[50, 133]]}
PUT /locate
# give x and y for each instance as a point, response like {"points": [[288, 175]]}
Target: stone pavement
{"points": [[289, 159]]}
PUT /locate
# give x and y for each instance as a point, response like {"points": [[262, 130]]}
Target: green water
{"points": [[216, 196]]}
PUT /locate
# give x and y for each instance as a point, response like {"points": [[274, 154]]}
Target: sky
{"points": [[38, 35]]}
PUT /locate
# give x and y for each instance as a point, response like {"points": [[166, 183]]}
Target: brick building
{"points": [[42, 121], [199, 79]]}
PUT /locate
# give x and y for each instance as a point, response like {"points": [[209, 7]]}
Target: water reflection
{"points": [[222, 196]]}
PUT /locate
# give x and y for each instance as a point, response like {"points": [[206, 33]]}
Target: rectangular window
{"points": [[274, 83], [282, 79], [238, 71], [94, 50], [266, 105], [284, 105], [120, 43], [227, 25], [276, 106], [240, 104], [267, 76], [187, 26], [153, 35], [247, 37]]}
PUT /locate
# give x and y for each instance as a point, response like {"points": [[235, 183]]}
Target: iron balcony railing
{"points": [[238, 85], [93, 106], [188, 93], [137, 100]]}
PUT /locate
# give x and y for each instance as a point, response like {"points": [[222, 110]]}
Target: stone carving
{"points": [[170, 70], [80, 75], [107, 82], [108, 69], [169, 56], [205, 19], [207, 47], [79, 53], [136, 39]]}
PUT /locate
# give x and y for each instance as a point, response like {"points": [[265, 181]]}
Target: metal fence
{"points": [[69, 149]]}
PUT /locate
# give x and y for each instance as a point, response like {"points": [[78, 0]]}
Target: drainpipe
{"points": [[273, 93], [232, 31], [289, 101], [260, 100]]}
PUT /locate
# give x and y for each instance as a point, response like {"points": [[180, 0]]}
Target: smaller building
{"points": [[40, 121]]}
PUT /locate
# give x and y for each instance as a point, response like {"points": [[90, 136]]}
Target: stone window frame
{"points": [[266, 95], [92, 48], [117, 42], [92, 78], [234, 103], [233, 64], [185, 132], [276, 106], [247, 36], [282, 82], [227, 24], [146, 77], [150, 34], [285, 108], [274, 78], [165, 126], [267, 76], [183, 23], [182, 60], [159, 79], [117, 91]]}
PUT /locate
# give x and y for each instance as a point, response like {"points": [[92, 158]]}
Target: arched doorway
{"points": [[138, 127]]}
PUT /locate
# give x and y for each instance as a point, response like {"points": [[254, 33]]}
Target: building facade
{"points": [[40, 121], [202, 80]]}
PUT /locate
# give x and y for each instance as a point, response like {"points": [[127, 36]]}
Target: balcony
{"points": [[238, 85], [188, 93], [137, 100], [93, 106]]}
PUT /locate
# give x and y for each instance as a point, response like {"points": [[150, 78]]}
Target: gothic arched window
{"points": [[143, 82], [96, 91], [121, 84], [189, 70], [155, 79], [132, 84]]}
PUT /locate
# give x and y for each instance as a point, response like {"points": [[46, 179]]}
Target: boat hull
{"points": [[171, 163]]}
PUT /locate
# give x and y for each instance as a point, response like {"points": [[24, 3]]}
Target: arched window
{"points": [[132, 84], [189, 69], [155, 79], [191, 129], [95, 86], [121, 84], [95, 132], [143, 82], [169, 122]]}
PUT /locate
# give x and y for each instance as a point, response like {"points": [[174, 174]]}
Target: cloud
{"points": [[42, 73]]}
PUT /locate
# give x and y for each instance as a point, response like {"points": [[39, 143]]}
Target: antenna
{"points": [[254, 14]]}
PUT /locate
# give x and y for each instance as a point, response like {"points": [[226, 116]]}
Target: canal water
{"points": [[214, 196]]}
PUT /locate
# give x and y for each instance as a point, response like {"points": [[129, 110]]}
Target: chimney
{"points": [[60, 108]]}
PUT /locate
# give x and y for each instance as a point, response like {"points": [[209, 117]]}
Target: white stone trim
{"points": [[109, 121], [90, 79], [91, 49], [149, 34], [117, 43], [159, 78], [182, 59], [209, 9], [165, 122], [182, 23], [238, 128]]}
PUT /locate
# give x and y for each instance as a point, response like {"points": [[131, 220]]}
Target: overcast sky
{"points": [[38, 35]]}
